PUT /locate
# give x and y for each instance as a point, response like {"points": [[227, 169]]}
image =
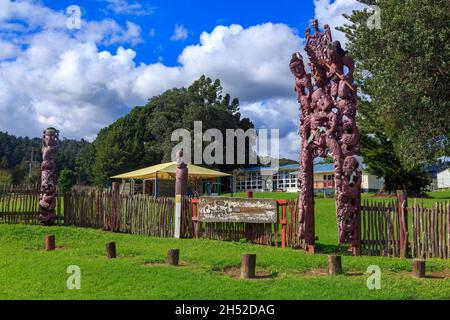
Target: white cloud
{"points": [[253, 63], [8, 50], [129, 8], [180, 33], [62, 79], [331, 13]]}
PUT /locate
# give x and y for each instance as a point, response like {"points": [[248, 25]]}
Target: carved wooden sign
{"points": [[215, 209]]}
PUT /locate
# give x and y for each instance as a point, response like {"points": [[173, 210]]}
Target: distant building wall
{"points": [[443, 179], [286, 180], [371, 183]]}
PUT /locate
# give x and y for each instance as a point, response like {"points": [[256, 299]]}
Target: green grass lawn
{"points": [[29, 272]]}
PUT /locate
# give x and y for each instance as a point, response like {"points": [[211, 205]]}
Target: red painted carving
{"points": [[327, 99], [47, 203]]}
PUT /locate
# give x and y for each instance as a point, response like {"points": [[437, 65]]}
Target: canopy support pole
{"points": [[156, 185]]}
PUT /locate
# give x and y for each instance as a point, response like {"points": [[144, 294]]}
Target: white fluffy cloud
{"points": [[52, 77], [331, 13], [180, 33], [130, 8]]}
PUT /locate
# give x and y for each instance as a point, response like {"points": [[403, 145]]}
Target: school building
{"points": [[263, 179]]}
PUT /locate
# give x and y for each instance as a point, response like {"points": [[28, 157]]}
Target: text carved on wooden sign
{"points": [[215, 209]]}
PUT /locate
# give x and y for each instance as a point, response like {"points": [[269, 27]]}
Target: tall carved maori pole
{"points": [[47, 200], [328, 103], [180, 190]]}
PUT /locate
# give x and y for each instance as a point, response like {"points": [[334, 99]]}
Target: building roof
{"points": [[167, 171]]}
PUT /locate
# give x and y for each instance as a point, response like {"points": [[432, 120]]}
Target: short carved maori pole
{"points": [[248, 266], [50, 243], [328, 103], [180, 190], [47, 200], [111, 250], [173, 257], [419, 268], [334, 265]]}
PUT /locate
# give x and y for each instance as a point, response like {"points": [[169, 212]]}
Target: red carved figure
{"points": [[328, 128], [47, 203]]}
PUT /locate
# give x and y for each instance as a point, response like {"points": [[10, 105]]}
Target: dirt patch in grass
{"points": [[354, 274], [235, 273], [164, 263], [438, 275], [314, 273]]}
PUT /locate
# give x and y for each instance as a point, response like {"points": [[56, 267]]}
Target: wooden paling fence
{"points": [[125, 213], [431, 231], [385, 230], [20, 205], [293, 226], [380, 229]]}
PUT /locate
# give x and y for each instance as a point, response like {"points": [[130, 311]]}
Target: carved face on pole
{"points": [[297, 66], [51, 137], [350, 165]]}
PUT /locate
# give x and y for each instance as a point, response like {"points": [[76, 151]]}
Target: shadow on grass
{"points": [[332, 249]]}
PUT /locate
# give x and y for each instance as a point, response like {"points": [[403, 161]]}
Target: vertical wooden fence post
{"points": [[111, 250], [283, 222], [248, 267], [173, 257], [402, 198], [114, 206], [50, 243], [419, 268], [334, 265], [194, 217]]}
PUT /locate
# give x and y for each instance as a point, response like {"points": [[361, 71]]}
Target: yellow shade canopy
{"points": [[167, 171]]}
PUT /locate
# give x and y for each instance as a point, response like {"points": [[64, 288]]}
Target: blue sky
{"points": [[128, 51], [157, 19]]}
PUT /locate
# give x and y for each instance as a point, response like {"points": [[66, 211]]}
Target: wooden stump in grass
{"points": [[248, 266], [334, 265], [419, 268], [173, 257], [50, 243], [111, 250]]}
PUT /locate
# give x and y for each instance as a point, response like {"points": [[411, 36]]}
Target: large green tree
{"points": [[403, 72], [143, 137]]}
